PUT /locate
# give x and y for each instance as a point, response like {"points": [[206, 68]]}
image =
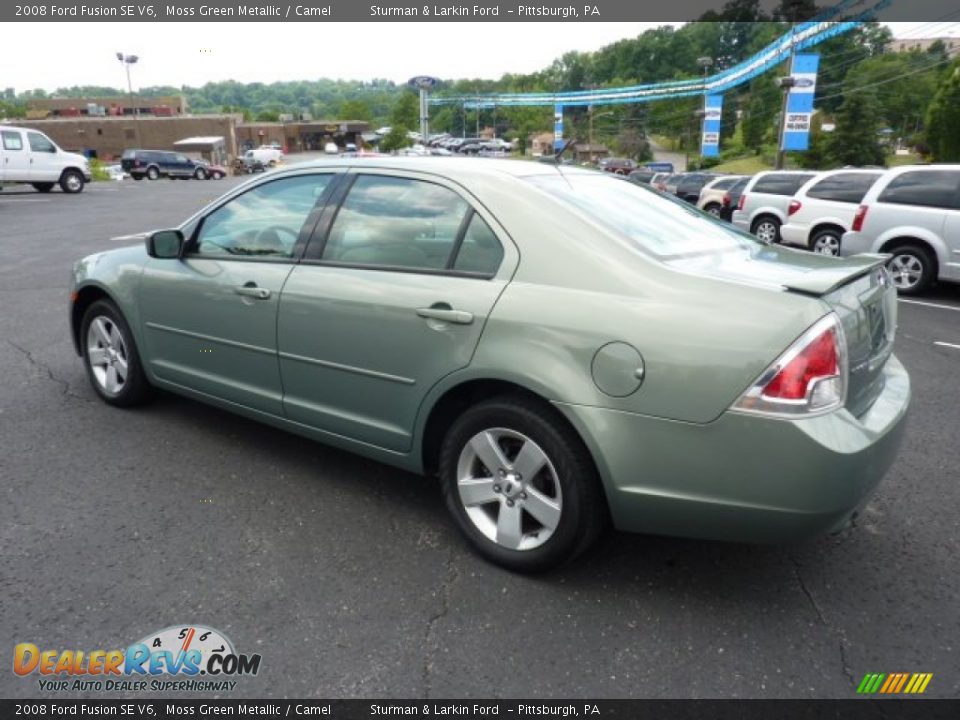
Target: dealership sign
{"points": [[712, 112], [423, 82], [796, 122]]}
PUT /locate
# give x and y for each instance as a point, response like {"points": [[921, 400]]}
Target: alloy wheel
{"points": [[906, 270], [107, 354], [73, 182], [509, 489], [766, 231], [827, 244]]}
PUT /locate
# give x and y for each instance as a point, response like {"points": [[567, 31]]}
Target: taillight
{"points": [[726, 199], [859, 218], [810, 377], [743, 199], [794, 206]]}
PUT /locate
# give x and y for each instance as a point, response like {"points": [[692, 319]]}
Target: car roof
{"points": [[455, 168]]}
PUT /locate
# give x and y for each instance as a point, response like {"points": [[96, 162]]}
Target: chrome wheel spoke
{"points": [[100, 328], [477, 491], [488, 450], [98, 356], [111, 383], [121, 366], [544, 510], [529, 461], [509, 526]]}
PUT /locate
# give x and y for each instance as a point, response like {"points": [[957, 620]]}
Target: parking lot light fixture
{"points": [[127, 61]]}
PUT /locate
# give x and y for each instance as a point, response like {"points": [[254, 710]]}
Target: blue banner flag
{"points": [[796, 123], [712, 111]]}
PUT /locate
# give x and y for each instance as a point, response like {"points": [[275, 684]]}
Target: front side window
{"points": [[396, 222], [40, 143], [264, 222], [931, 188], [844, 187], [12, 140]]}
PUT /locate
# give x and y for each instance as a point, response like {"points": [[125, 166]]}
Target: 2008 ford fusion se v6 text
{"points": [[563, 348]]}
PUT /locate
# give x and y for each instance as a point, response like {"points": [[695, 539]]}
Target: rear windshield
{"points": [[660, 225]]}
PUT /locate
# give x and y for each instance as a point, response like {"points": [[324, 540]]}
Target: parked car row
{"points": [[911, 212]]}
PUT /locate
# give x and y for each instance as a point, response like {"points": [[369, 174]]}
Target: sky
{"points": [[196, 53]]}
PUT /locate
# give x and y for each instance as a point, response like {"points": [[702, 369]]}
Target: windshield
{"points": [[658, 224]]}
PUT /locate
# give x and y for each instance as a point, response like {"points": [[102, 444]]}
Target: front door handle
{"points": [[443, 312], [251, 290]]}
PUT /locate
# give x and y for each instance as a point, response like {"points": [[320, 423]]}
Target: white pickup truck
{"points": [[267, 155], [29, 156]]}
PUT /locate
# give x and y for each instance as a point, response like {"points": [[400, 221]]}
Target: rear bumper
{"points": [[744, 477]]}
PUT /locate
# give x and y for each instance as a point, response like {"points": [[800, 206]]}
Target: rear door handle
{"points": [[251, 290], [446, 314]]}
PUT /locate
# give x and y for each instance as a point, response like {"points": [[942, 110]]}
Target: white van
{"points": [[29, 156], [267, 155]]}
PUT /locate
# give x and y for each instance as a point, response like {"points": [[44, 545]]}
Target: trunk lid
{"points": [[858, 289]]}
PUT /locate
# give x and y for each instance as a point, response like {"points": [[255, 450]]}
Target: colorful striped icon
{"points": [[894, 683]]}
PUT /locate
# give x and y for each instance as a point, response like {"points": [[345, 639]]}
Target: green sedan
{"points": [[563, 349]]}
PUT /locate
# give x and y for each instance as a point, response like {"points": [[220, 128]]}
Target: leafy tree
{"points": [[355, 110], [406, 111], [762, 108], [943, 119], [268, 116], [854, 142], [395, 139]]}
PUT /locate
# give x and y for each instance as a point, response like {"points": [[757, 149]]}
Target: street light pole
{"points": [[127, 61], [705, 63], [785, 84]]}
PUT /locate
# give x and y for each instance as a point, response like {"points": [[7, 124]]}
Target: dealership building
{"points": [[104, 127]]}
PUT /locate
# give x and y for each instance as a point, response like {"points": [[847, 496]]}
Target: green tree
{"points": [[268, 116], [355, 110], [943, 119], [406, 112], [395, 139], [762, 107], [854, 142]]}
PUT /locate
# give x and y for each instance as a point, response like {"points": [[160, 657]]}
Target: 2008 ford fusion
{"points": [[564, 349]]}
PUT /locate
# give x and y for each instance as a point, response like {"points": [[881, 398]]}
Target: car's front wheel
{"points": [[520, 484], [71, 181], [111, 358]]}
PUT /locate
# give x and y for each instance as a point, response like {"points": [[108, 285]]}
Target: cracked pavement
{"points": [[348, 578]]}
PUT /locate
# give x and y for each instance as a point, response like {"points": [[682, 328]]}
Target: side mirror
{"points": [[165, 244]]}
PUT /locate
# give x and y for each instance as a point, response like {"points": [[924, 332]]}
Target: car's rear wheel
{"points": [[520, 484], [43, 187], [153, 173], [826, 242], [71, 181], [712, 209], [111, 358], [767, 229], [912, 268]]}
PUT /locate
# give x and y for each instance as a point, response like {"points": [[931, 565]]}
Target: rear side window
{"points": [[396, 223], [724, 184], [930, 188], [844, 187], [12, 140], [781, 183], [480, 251]]}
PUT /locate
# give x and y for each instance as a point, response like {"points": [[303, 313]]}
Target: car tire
{"points": [[200, 174], [712, 209], [766, 229], [43, 187], [526, 524], [153, 173], [913, 269], [138, 178], [826, 242], [111, 358], [72, 182]]}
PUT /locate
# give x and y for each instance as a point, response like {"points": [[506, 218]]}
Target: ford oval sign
{"points": [[423, 82]]}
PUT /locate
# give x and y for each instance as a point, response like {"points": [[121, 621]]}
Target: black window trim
{"points": [[306, 229], [313, 255]]}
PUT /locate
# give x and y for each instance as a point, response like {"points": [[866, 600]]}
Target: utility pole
{"points": [[129, 60], [785, 83], [705, 63]]}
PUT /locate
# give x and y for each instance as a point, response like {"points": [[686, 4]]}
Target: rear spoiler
{"points": [[826, 280]]}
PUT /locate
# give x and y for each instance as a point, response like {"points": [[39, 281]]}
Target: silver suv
{"points": [[912, 212], [765, 201]]}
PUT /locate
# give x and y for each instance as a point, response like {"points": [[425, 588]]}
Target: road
{"points": [[350, 581], [662, 154]]}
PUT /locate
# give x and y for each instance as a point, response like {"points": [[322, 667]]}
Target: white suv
{"points": [[823, 209], [763, 204], [29, 156], [913, 213]]}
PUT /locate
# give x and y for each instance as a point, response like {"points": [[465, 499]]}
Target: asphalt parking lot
{"points": [[348, 578]]}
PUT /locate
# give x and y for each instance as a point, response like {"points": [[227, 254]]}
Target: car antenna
{"points": [[555, 159]]}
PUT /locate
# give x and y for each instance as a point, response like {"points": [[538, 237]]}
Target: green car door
{"points": [[209, 319], [391, 297]]}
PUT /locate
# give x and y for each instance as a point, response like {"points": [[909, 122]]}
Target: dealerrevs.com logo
{"points": [[185, 658]]}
